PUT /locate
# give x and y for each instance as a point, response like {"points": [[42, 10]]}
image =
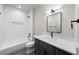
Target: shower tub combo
{"points": [[22, 46]]}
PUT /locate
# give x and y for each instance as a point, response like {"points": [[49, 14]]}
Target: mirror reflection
{"points": [[54, 22]]}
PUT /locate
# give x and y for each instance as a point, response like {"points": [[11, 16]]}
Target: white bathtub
{"points": [[12, 47]]}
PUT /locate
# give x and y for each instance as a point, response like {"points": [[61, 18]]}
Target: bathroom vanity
{"points": [[53, 46]]}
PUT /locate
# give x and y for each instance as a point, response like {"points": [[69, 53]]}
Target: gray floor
{"points": [[21, 52]]}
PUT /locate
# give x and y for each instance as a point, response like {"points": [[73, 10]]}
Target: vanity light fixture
{"points": [[52, 11]]}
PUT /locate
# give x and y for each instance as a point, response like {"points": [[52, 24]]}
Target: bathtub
{"points": [[10, 48]]}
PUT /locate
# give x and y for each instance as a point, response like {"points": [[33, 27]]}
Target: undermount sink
{"points": [[47, 37], [58, 42]]}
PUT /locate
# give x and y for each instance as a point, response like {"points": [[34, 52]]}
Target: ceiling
{"points": [[25, 7], [28, 7]]}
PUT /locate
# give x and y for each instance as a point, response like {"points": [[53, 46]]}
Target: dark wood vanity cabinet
{"points": [[46, 49], [61, 52], [37, 44], [43, 48]]}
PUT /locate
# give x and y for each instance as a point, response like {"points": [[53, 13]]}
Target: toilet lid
{"points": [[30, 43]]}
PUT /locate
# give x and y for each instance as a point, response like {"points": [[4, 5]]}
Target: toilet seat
{"points": [[30, 44]]}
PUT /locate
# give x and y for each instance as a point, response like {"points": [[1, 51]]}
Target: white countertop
{"points": [[65, 45]]}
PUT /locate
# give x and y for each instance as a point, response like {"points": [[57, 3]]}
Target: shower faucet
{"points": [[74, 21], [29, 35]]}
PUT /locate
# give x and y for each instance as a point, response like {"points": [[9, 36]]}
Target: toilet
{"points": [[29, 47]]}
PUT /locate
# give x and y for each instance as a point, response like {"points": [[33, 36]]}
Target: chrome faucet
{"points": [[51, 34]]}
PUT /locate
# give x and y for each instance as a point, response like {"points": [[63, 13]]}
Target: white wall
{"points": [[67, 15], [29, 23], [13, 26], [77, 24], [1, 26]]}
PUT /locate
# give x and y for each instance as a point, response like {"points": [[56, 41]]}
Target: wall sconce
{"points": [[77, 21]]}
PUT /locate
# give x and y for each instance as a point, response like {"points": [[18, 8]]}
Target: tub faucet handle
{"points": [[29, 35]]}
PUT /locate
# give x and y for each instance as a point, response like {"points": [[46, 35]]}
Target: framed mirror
{"points": [[54, 22]]}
